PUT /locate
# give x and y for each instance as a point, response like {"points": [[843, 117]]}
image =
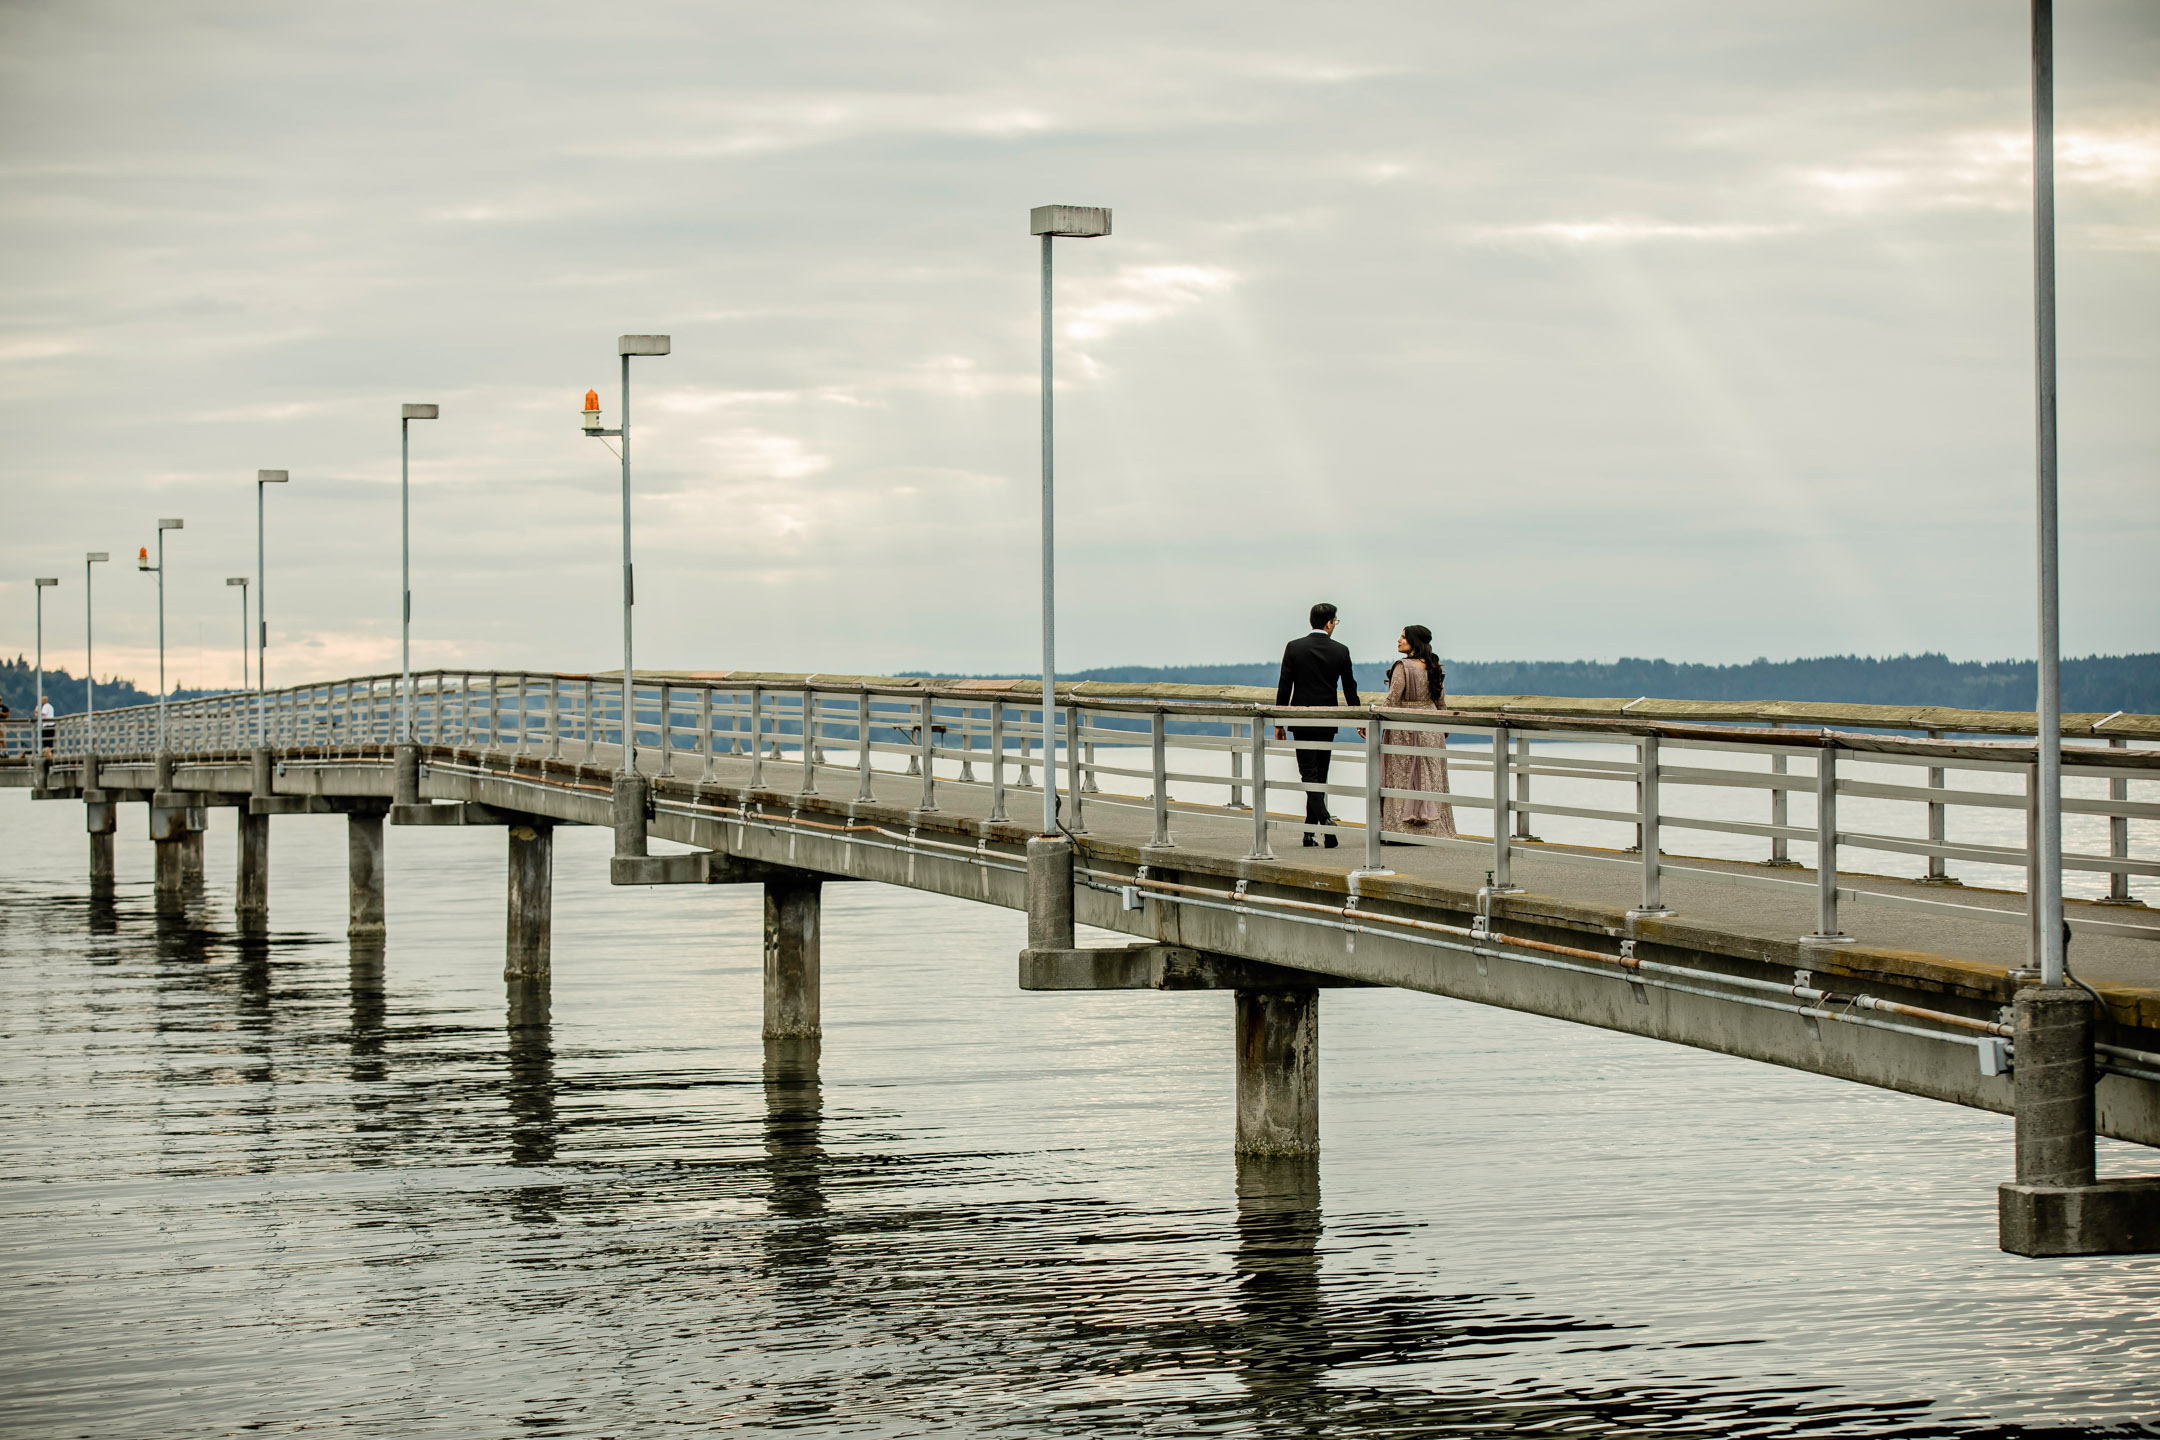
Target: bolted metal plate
{"points": [[1078, 221]]}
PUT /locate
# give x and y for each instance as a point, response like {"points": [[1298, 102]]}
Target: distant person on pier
{"points": [[47, 728], [1312, 666], [1413, 681]]}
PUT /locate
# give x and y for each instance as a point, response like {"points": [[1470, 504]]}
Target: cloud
{"points": [[1626, 232], [1139, 295]]}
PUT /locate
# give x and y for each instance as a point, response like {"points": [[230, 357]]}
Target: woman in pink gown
{"points": [[1414, 681]]}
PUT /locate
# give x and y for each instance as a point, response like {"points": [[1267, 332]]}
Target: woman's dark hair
{"points": [[1420, 640]]}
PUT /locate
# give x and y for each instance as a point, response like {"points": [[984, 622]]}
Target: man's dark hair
{"points": [[1321, 614]]}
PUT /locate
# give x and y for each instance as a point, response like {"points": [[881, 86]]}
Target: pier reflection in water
{"points": [[279, 1179]]}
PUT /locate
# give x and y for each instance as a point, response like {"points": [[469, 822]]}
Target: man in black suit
{"points": [[1312, 667]]}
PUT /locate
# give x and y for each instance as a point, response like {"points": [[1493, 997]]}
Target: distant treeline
{"points": [[2101, 683], [18, 687]]}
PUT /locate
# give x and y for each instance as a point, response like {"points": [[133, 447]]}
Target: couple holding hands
{"points": [[1313, 666]]}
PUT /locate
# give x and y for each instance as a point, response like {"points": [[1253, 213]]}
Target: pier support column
{"points": [[405, 784], [101, 818], [191, 860], [2057, 1205], [792, 914], [1278, 1072], [364, 867], [532, 886], [251, 882], [631, 798], [1050, 893], [168, 839]]}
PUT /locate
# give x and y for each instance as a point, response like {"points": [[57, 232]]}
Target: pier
{"points": [[1178, 830]]}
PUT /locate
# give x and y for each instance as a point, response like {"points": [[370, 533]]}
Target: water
{"points": [[278, 1188]]}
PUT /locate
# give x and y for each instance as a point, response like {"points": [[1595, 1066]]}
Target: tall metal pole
{"points": [[404, 490], [89, 646], [161, 635], [1049, 572], [243, 589], [2047, 899], [629, 585], [262, 622], [37, 708]]}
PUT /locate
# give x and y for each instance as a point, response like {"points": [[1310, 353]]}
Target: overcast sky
{"points": [[1695, 330]]}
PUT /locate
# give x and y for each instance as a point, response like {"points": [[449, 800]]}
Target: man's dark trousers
{"points": [[1312, 768]]}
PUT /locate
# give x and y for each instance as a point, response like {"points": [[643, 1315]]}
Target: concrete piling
{"points": [[2058, 1205], [532, 882], [1050, 893], [101, 818], [1278, 1072], [167, 882], [405, 781], [191, 860], [364, 869], [631, 800], [792, 962], [251, 883]]}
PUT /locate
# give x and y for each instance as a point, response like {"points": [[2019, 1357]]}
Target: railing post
{"points": [[809, 748], [1078, 826], [592, 727], [704, 730], [1237, 770], [863, 791], [1159, 767], [1826, 916], [494, 712], [2119, 837], [926, 742], [2033, 949], [1522, 788], [1093, 785], [667, 729], [1938, 872], [967, 744], [1375, 772], [757, 737], [1027, 772], [997, 760], [1260, 849], [554, 718], [1780, 852], [1653, 901], [1503, 868]]}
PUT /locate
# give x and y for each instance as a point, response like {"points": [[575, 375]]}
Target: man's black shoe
{"points": [[1329, 842], [1310, 842]]}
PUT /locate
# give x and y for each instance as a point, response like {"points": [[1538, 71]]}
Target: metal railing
{"points": [[1159, 764]]}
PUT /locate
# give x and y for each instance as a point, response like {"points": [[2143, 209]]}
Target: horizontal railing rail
{"points": [[1623, 776]]}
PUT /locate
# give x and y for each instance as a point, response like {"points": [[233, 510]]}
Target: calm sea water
{"points": [[278, 1187]]}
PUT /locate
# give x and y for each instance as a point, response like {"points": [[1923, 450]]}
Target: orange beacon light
{"points": [[592, 410]]}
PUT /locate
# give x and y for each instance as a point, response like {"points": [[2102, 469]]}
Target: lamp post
{"points": [[625, 346], [406, 415], [2047, 864], [262, 604], [142, 562], [242, 582], [37, 711], [1076, 222], [91, 558]]}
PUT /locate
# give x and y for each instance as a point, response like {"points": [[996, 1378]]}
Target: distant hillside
{"points": [[18, 686], [2100, 683]]}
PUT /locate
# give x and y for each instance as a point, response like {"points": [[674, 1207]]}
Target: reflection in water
{"points": [[529, 1085], [1283, 1338], [800, 1251], [365, 1040]]}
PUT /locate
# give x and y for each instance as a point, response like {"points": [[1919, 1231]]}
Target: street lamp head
{"points": [[272, 477], [172, 524], [97, 557], [45, 580], [1074, 222], [420, 412], [239, 580], [641, 344]]}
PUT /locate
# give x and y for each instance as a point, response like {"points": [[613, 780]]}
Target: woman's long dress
{"points": [[1407, 689]]}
